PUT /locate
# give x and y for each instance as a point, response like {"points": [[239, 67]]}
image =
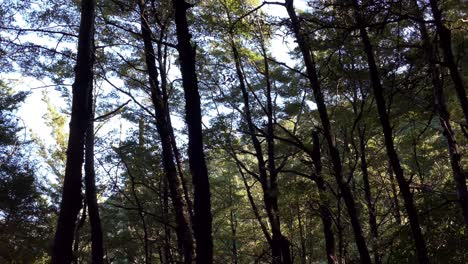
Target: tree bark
{"points": [[162, 58], [368, 197], [80, 116], [333, 150], [202, 224], [76, 242], [325, 214], [388, 136], [97, 247], [233, 224], [183, 231], [167, 254]]}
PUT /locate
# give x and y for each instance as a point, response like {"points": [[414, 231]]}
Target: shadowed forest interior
{"points": [[233, 131]]}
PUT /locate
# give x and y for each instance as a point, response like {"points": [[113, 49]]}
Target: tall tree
{"points": [[184, 232], [326, 126], [441, 108], [80, 119], [97, 243], [202, 222], [388, 136]]}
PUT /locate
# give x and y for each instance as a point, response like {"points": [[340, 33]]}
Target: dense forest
{"points": [[234, 131]]}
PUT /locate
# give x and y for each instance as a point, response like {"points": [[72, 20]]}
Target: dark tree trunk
{"points": [[333, 150], [202, 224], [76, 242], [445, 41], [368, 197], [162, 58], [339, 226], [255, 208], [388, 136], [303, 248], [444, 115], [183, 231], [167, 254], [324, 210], [97, 247], [233, 224], [394, 198], [80, 116]]}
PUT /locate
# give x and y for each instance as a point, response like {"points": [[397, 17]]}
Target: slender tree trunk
{"points": [[76, 242], [80, 116], [167, 231], [233, 224], [271, 199], [97, 247], [302, 241], [141, 214], [162, 66], [388, 136], [368, 197], [339, 226], [202, 224], [325, 213], [255, 208], [279, 244], [445, 41], [394, 197], [444, 115], [334, 153], [184, 234]]}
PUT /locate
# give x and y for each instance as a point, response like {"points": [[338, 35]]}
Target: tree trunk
{"points": [[388, 136], [162, 57], [394, 196], [184, 234], [76, 242], [302, 241], [80, 116], [324, 210], [167, 255], [368, 197], [255, 208], [271, 199], [444, 115], [445, 41], [278, 243], [334, 153], [97, 247], [233, 224], [202, 224]]}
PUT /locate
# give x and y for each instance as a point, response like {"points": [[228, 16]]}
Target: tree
{"points": [[202, 222], [184, 232], [388, 135], [334, 153], [80, 120]]}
